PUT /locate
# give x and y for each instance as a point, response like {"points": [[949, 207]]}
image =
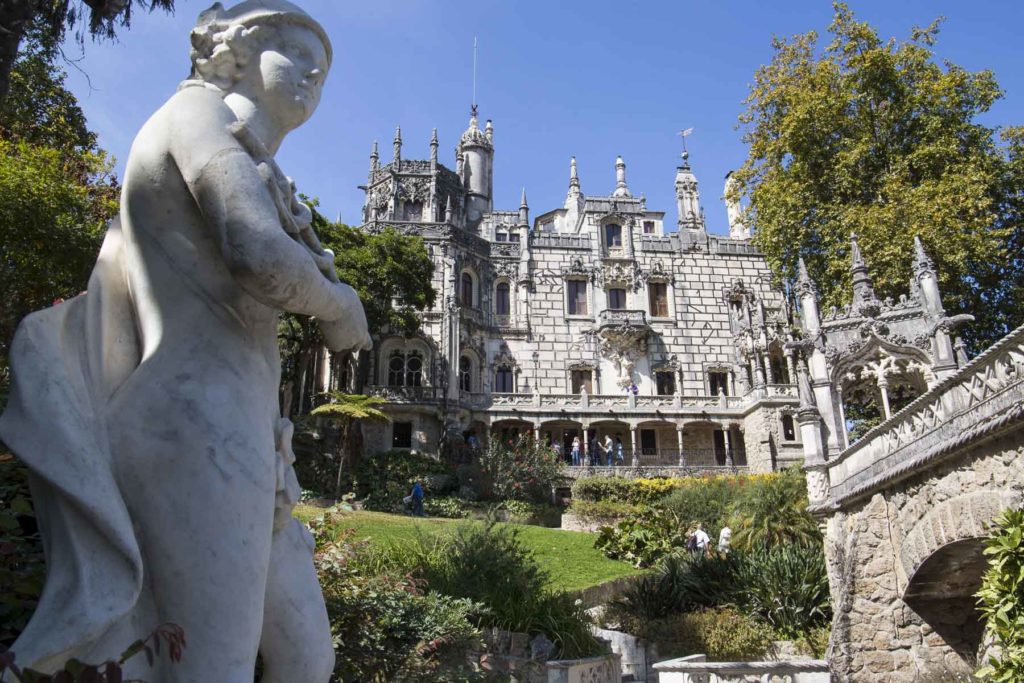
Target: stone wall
{"points": [[905, 563]]}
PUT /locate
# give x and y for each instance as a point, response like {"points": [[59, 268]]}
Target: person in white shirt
{"points": [[703, 540], [724, 540]]}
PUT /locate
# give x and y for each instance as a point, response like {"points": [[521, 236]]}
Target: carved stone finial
{"points": [[922, 262], [433, 146], [804, 286], [574, 179], [621, 190], [448, 210], [374, 160], [864, 300], [397, 143]]}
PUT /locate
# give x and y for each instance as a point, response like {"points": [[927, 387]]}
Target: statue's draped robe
{"points": [[67, 362]]}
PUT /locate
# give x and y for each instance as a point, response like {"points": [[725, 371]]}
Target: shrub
{"points": [[773, 511], [1001, 598], [445, 506], [603, 510], [642, 540], [623, 490], [489, 565], [22, 569], [523, 470], [787, 587], [723, 634], [385, 478], [704, 500], [384, 627], [681, 582]]}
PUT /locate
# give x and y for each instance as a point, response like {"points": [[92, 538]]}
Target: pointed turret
{"points": [[397, 155], [621, 189], [433, 148], [477, 149], [524, 211], [448, 210], [691, 216], [374, 160], [926, 280], [863, 287]]}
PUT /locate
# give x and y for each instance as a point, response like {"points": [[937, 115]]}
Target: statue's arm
{"points": [[236, 204]]}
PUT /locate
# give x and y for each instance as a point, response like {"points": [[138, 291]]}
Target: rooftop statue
{"points": [[147, 407]]}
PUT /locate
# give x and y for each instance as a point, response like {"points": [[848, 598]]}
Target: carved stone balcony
{"points": [[621, 319]]}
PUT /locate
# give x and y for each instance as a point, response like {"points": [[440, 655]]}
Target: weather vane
{"points": [[683, 134]]}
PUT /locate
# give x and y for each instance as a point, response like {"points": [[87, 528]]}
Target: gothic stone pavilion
{"points": [[544, 328]]}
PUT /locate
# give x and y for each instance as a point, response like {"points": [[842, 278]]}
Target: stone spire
{"points": [[925, 280], [524, 211], [489, 131], [374, 160], [448, 210], [691, 216], [863, 287], [433, 148], [621, 190], [397, 160]]}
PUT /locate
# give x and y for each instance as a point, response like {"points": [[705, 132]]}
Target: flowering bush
{"points": [[518, 470]]}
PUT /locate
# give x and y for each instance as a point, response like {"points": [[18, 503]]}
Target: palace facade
{"points": [[598, 317]]}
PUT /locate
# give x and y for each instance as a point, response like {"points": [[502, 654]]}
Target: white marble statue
{"points": [[147, 408]]}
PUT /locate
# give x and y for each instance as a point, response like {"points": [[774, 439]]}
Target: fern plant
{"points": [[1001, 598], [348, 409]]}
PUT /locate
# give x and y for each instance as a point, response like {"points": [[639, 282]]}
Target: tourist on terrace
{"points": [[608, 450], [575, 451], [619, 459]]}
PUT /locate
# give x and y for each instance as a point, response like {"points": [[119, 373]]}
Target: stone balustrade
{"points": [[978, 400], [405, 394], [560, 241], [696, 669]]}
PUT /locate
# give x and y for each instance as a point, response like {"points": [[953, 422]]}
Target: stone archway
{"points": [[943, 561]]}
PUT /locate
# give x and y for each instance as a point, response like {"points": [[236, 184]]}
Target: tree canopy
{"points": [[48, 22], [875, 137], [57, 193]]}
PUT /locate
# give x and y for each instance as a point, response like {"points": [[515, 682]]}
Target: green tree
{"points": [[56, 195], [875, 137], [390, 271], [48, 21], [348, 410]]}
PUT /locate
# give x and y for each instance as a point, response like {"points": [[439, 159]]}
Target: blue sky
{"points": [[594, 79]]}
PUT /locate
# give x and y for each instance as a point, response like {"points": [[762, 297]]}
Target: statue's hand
{"points": [[350, 333]]}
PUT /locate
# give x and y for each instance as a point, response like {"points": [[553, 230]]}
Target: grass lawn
{"points": [[569, 557]]}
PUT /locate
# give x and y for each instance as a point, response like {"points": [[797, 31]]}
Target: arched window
{"points": [[500, 235], [504, 381], [613, 235], [513, 235], [405, 369], [501, 299], [467, 290], [465, 374]]}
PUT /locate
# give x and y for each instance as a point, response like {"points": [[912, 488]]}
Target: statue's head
{"points": [[269, 47]]}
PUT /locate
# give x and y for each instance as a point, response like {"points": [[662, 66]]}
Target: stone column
{"points": [[636, 452], [883, 383], [841, 405], [586, 441], [791, 365], [728, 446], [679, 439], [536, 433]]}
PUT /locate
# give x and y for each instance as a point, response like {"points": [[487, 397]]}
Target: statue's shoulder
{"points": [[196, 103]]}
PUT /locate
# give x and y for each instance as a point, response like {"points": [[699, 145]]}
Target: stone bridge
{"points": [[907, 506]]}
